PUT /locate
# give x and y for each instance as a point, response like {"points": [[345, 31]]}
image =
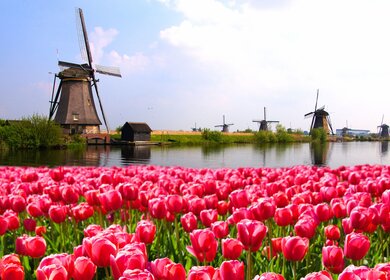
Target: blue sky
{"points": [[192, 61]]}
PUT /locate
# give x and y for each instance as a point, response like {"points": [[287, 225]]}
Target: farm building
{"points": [[134, 131]]}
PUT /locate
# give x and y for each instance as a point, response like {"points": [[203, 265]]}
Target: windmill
{"points": [[383, 130], [264, 123], [320, 118], [225, 126], [73, 104]]}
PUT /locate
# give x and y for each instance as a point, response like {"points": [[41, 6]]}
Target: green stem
{"points": [[294, 270], [248, 265], [178, 245]]}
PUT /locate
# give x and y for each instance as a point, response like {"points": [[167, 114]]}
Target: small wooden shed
{"points": [[135, 131]]}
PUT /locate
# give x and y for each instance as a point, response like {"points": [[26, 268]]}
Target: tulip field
{"points": [[151, 222]]}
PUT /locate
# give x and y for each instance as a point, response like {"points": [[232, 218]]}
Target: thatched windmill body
{"points": [[225, 126], [73, 105], [320, 118], [383, 130], [264, 124]]}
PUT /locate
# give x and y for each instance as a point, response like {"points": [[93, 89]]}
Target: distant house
{"points": [[352, 132], [135, 131]]}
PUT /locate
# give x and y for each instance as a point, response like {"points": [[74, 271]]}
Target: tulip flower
{"points": [[84, 269], [283, 216], [232, 270], [201, 273], [158, 267], [11, 268], [356, 246], [175, 203], [99, 250], [208, 216], [204, 245], [145, 231], [333, 258], [239, 198], [263, 209], [305, 227], [231, 248], [189, 222], [3, 225], [332, 232], [269, 276], [58, 213], [360, 218], [251, 234], [295, 248], [322, 275], [53, 271], [175, 271], [35, 247], [111, 200], [220, 229]]}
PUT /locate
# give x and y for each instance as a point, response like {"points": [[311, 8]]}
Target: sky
{"points": [[186, 63]]}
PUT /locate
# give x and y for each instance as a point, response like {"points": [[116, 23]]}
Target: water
{"points": [[329, 154]]}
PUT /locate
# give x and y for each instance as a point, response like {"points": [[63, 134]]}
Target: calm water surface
{"points": [[330, 154]]}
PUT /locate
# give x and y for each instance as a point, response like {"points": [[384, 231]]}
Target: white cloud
{"points": [[282, 53], [100, 39]]}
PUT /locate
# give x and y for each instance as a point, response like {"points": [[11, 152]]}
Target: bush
{"points": [[318, 134], [282, 135], [213, 136], [32, 132]]}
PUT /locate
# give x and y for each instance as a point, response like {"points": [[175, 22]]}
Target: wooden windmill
{"points": [[225, 126], [383, 130], [73, 104], [264, 123], [320, 118]]}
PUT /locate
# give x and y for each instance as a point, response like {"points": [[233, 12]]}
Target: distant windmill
{"points": [[73, 103], [383, 130], [320, 118], [264, 123], [195, 128], [225, 126]]}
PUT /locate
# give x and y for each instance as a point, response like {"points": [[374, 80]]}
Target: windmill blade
{"points": [[100, 103], [83, 37], [308, 114], [272, 121], [256, 121], [265, 114], [330, 125], [230, 124], [220, 125], [54, 103], [315, 107], [64, 64], [321, 108], [112, 71]]}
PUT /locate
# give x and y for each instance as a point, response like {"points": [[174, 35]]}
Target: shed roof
{"points": [[138, 126]]}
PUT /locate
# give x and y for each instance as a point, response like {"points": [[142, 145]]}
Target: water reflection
{"points": [[131, 154], [319, 153], [211, 156], [384, 147]]}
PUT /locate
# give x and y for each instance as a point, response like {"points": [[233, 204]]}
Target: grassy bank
{"points": [[217, 137]]}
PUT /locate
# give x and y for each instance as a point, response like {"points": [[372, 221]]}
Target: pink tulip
{"points": [[251, 234], [356, 246], [204, 245], [84, 268], [295, 248], [231, 248], [232, 270], [145, 231]]}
